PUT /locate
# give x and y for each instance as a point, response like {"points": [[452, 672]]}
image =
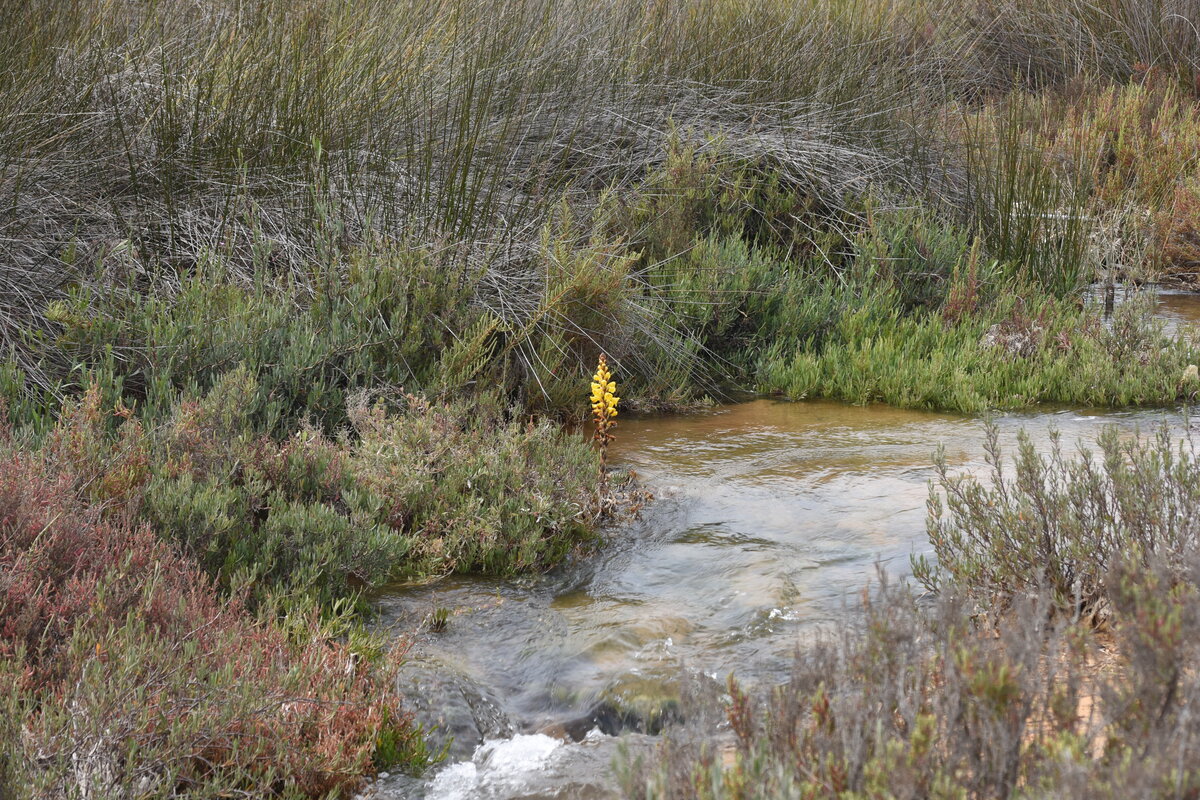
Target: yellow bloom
{"points": [[604, 408], [604, 398]]}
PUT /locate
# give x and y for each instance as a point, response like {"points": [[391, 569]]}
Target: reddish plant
{"points": [[119, 639]]}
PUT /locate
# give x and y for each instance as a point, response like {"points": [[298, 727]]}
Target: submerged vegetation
{"points": [[295, 296]]}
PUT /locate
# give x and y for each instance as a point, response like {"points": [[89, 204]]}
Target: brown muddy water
{"points": [[770, 520]]}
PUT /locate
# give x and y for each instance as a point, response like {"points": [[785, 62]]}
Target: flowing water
{"points": [[770, 518]]}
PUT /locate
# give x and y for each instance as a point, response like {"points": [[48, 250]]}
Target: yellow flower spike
{"points": [[604, 409]]}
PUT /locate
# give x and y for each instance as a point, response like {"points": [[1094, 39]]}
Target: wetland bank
{"points": [[299, 304], [771, 518]]}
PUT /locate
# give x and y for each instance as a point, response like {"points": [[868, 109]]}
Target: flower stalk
{"points": [[604, 413]]}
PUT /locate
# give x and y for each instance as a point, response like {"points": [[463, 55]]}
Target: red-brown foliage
{"points": [[55, 553], [1178, 233], [111, 628]]}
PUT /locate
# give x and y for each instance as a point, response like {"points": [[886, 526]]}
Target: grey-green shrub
{"points": [[1065, 523], [924, 700]]}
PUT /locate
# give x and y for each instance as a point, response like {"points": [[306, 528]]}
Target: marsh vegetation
{"points": [[301, 299]]}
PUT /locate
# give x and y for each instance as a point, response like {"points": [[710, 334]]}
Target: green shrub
{"points": [[477, 488], [1013, 355], [426, 488], [384, 318]]}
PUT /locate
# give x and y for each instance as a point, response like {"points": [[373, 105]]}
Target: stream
{"points": [[769, 520]]}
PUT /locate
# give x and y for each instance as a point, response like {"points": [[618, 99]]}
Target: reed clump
{"points": [[154, 154]]}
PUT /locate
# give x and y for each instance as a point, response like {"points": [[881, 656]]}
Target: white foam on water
{"points": [[497, 765], [455, 782]]}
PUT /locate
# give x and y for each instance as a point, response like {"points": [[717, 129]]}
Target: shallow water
{"points": [[1179, 309], [769, 521]]}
